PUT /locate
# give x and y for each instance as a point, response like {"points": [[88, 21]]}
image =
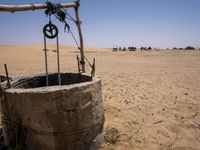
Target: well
{"points": [[67, 117]]}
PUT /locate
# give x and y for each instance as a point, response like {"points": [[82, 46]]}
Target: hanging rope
{"points": [[69, 17], [79, 47], [56, 10]]}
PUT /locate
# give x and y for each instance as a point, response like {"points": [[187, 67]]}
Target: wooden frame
{"points": [[75, 5]]}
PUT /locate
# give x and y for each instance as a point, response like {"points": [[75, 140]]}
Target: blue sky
{"points": [[156, 23]]}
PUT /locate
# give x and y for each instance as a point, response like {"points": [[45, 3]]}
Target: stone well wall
{"points": [[55, 117]]}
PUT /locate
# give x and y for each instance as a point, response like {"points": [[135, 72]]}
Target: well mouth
{"points": [[40, 80]]}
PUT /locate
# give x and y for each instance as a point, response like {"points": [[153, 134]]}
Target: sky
{"points": [[155, 23]]}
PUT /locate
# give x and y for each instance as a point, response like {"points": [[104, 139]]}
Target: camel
{"points": [[124, 49], [132, 48], [115, 48], [143, 48]]}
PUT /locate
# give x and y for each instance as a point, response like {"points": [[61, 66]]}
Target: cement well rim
{"points": [[54, 88]]}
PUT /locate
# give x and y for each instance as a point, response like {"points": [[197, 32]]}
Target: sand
{"points": [[151, 99]]}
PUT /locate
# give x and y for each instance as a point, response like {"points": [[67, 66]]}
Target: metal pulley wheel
{"points": [[50, 30]]}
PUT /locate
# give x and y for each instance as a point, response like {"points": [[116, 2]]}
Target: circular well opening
{"points": [[40, 80]]}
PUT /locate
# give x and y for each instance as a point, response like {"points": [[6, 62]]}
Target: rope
{"points": [[70, 31], [79, 47], [32, 6], [62, 15], [71, 18]]}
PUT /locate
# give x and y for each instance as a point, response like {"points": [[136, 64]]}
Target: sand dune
{"points": [[151, 99]]}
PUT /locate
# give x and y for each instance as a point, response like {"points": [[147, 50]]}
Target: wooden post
{"points": [[58, 61], [46, 61], [7, 75], [78, 63], [93, 69], [78, 24]]}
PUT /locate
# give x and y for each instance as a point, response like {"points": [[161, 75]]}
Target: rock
{"points": [[111, 135]]}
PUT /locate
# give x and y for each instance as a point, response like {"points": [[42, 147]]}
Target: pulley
{"points": [[50, 30]]}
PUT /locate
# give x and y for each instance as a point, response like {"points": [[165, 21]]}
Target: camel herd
{"points": [[115, 48]]}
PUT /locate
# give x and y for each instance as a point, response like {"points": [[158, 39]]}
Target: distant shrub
{"points": [[174, 48]]}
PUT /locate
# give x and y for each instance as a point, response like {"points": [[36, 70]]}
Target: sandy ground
{"points": [[151, 99]]}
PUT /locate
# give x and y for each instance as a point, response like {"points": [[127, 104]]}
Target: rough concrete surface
{"points": [[58, 117]]}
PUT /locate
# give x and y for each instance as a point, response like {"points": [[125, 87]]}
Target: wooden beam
{"points": [[15, 8]]}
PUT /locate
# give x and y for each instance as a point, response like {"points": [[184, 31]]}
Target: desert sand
{"points": [[151, 98]]}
